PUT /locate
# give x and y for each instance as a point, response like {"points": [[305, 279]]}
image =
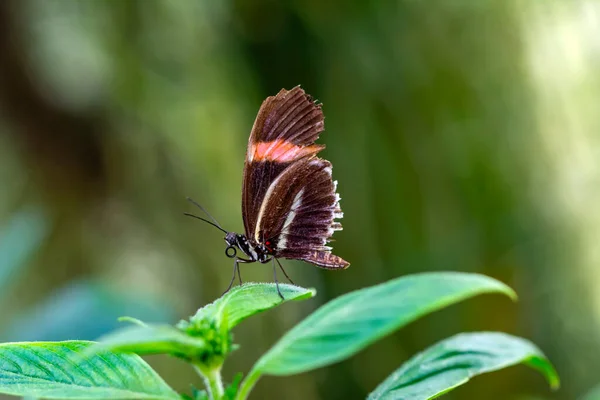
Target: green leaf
{"points": [[232, 389], [593, 394], [19, 239], [452, 362], [246, 300], [151, 339], [351, 322], [61, 370], [132, 320]]}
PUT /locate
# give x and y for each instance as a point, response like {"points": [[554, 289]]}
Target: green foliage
{"points": [[242, 302], [153, 339], [205, 339], [19, 239], [351, 322], [593, 394], [452, 362], [60, 370], [334, 332]]}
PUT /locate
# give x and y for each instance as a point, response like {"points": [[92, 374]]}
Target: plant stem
{"points": [[247, 385], [212, 381]]}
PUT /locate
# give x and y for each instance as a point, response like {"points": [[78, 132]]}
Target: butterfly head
{"points": [[231, 239]]}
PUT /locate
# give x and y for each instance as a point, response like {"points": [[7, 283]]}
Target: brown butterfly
{"points": [[289, 200]]}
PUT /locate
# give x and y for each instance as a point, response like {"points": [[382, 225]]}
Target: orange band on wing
{"points": [[281, 151]]}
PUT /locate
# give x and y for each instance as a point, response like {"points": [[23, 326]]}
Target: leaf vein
{"points": [[33, 363], [114, 368], [77, 365], [11, 361]]}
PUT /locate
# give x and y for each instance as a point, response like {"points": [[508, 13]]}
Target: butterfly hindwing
{"points": [[296, 218], [284, 132]]}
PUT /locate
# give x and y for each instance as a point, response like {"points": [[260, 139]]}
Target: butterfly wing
{"points": [[284, 132], [296, 218]]}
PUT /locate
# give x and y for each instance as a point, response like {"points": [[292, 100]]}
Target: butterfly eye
{"points": [[230, 251]]}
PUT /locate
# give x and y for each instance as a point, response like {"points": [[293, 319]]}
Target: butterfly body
{"points": [[255, 251]]}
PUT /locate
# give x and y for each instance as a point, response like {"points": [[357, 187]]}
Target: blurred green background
{"points": [[464, 135]]}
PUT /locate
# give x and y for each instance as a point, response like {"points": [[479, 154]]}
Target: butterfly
{"points": [[289, 199]]}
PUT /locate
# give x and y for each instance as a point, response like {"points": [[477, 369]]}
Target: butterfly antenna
{"points": [[205, 220], [216, 223]]}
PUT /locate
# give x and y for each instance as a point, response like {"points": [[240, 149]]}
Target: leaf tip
{"points": [[552, 377], [511, 293], [501, 287], [132, 320], [541, 363], [308, 293]]}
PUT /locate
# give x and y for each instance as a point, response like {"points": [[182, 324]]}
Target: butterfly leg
{"points": [[238, 273], [276, 281], [283, 270], [235, 268]]}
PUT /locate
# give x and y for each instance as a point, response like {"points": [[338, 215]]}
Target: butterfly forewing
{"points": [[284, 132]]}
